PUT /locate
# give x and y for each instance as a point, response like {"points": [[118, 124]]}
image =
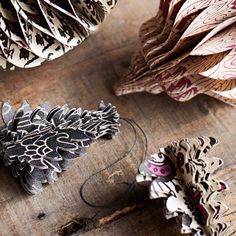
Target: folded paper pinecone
{"points": [[38, 144], [187, 48]]}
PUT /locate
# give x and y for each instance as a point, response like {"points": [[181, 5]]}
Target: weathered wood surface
{"points": [[81, 78]]}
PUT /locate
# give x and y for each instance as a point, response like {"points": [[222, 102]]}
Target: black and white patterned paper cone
{"points": [[35, 31], [38, 144]]}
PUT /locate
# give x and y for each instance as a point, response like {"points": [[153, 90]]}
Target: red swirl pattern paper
{"points": [[187, 49]]}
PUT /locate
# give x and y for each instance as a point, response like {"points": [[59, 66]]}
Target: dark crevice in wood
{"points": [[77, 225], [81, 225], [41, 216]]}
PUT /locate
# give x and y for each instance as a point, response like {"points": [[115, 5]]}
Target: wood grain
{"points": [[82, 78]]}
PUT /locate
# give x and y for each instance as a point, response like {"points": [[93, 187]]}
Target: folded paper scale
{"points": [[38, 144], [35, 31], [181, 174], [188, 48]]}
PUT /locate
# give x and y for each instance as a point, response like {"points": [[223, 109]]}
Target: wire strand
{"points": [[134, 125]]}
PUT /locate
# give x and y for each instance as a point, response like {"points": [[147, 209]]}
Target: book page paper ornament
{"points": [[181, 174], [35, 31], [38, 144], [188, 48]]}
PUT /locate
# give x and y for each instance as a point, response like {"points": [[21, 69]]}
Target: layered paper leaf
{"points": [[181, 174], [35, 31], [38, 144], [188, 48]]}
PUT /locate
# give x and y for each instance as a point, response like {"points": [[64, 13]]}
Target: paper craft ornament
{"points": [[35, 31], [38, 144], [188, 48], [181, 174]]}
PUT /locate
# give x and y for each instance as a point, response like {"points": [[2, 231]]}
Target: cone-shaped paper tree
{"points": [[38, 144]]}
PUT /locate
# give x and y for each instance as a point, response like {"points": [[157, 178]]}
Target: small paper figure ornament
{"points": [[38, 144], [181, 174], [188, 48], [35, 31]]}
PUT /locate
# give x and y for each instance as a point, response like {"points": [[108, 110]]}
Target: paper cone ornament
{"points": [[188, 48], [38, 144], [35, 31], [181, 174]]}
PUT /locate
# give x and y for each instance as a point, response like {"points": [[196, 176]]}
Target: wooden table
{"points": [[83, 77]]}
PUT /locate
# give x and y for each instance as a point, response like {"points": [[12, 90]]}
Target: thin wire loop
{"points": [[134, 125]]}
